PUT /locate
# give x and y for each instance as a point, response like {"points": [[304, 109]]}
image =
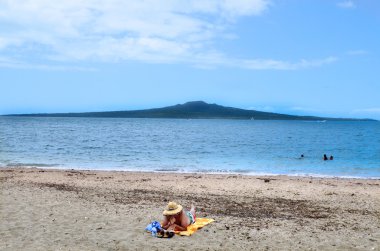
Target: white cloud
{"points": [[171, 31], [346, 4]]}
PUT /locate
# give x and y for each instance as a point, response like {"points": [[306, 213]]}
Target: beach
{"points": [[50, 209]]}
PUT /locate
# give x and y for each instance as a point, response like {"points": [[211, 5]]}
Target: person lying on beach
{"points": [[176, 219]]}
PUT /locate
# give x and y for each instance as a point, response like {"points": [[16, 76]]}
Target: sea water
{"points": [[196, 145]]}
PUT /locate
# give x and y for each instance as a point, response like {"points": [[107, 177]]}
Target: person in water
{"points": [[325, 157], [176, 219], [331, 157]]}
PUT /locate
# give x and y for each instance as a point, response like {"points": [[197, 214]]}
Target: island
{"points": [[191, 110]]}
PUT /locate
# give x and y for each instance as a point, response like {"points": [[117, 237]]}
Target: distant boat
{"points": [[252, 118]]}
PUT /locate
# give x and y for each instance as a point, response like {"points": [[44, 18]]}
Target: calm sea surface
{"points": [[222, 146]]}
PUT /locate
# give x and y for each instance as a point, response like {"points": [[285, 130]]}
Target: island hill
{"points": [[189, 110]]}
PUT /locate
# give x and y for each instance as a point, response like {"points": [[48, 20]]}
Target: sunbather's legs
{"points": [[192, 211]]}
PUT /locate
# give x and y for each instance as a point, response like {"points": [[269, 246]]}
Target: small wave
{"points": [[315, 175], [92, 147], [199, 171], [314, 121], [212, 171], [30, 165], [167, 170]]}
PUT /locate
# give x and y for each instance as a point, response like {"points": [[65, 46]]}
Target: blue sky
{"points": [[297, 57]]}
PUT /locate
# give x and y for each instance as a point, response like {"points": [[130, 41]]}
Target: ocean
{"points": [[250, 147]]}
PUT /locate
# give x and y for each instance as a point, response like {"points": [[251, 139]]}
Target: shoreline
{"points": [[249, 174], [108, 210]]}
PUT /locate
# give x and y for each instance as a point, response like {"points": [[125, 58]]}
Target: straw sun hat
{"points": [[172, 208]]}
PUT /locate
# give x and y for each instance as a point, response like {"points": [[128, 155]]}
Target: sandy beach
{"points": [[46, 209]]}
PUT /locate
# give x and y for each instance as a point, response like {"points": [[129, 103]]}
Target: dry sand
{"points": [[45, 209]]}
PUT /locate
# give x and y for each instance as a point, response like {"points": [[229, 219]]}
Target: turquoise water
{"points": [[221, 146]]}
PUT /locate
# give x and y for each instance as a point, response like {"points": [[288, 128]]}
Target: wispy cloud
{"points": [[373, 110], [304, 109], [174, 31], [357, 52], [346, 4], [265, 108], [265, 64], [14, 64]]}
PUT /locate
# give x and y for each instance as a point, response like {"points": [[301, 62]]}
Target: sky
{"points": [[290, 56]]}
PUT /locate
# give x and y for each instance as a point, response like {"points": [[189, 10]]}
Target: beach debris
{"points": [[193, 177], [266, 180]]}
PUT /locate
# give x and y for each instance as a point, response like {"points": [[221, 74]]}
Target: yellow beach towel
{"points": [[199, 223]]}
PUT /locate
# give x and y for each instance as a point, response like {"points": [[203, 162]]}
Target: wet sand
{"points": [[46, 209]]}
